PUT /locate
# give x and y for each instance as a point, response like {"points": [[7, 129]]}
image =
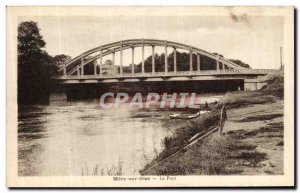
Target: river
{"points": [[79, 138]]}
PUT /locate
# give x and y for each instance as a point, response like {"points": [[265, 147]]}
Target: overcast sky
{"points": [[254, 40]]}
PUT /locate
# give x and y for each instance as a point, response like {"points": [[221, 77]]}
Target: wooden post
{"points": [[223, 118]]}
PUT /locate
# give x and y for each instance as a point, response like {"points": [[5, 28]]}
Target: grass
{"points": [[261, 117], [269, 172], [251, 156], [260, 132], [183, 134], [214, 156], [280, 143], [236, 146], [97, 171], [245, 98], [275, 85]]}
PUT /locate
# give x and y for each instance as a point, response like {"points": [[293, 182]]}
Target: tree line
{"points": [[183, 62]]}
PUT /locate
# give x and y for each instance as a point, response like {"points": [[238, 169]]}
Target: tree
{"points": [[59, 60], [29, 39], [240, 63], [89, 67], [34, 65], [183, 62]]}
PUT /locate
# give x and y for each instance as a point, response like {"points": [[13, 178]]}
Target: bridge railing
{"points": [[258, 70], [173, 74]]}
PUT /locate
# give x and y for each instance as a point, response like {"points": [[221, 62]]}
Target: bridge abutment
{"points": [[253, 84], [58, 94]]}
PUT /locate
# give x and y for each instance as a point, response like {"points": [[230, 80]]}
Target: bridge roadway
{"points": [[253, 79]]}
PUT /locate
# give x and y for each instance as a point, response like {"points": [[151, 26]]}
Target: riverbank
{"points": [[252, 142]]}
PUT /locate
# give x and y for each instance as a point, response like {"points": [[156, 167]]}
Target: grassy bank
{"points": [[241, 150]]}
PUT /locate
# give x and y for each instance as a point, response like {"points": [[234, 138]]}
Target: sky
{"points": [[252, 39]]}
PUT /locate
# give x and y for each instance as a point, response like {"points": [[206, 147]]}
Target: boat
{"points": [[184, 116]]}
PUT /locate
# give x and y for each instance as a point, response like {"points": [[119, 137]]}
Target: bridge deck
{"points": [[168, 74]]}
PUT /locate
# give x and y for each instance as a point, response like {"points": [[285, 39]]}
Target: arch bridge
{"points": [[74, 70]]}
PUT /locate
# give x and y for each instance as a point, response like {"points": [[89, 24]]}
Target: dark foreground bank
{"points": [[252, 144]]}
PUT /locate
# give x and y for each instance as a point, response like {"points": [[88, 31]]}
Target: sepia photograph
{"points": [[150, 96]]}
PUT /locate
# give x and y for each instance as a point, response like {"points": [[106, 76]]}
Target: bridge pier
{"points": [[250, 86], [58, 94], [254, 84]]}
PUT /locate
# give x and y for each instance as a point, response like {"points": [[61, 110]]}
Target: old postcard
{"points": [[150, 96]]}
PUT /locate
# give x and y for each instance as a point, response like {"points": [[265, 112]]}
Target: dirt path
{"points": [[261, 126]]}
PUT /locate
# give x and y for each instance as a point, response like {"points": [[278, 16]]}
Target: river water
{"points": [[79, 138]]}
